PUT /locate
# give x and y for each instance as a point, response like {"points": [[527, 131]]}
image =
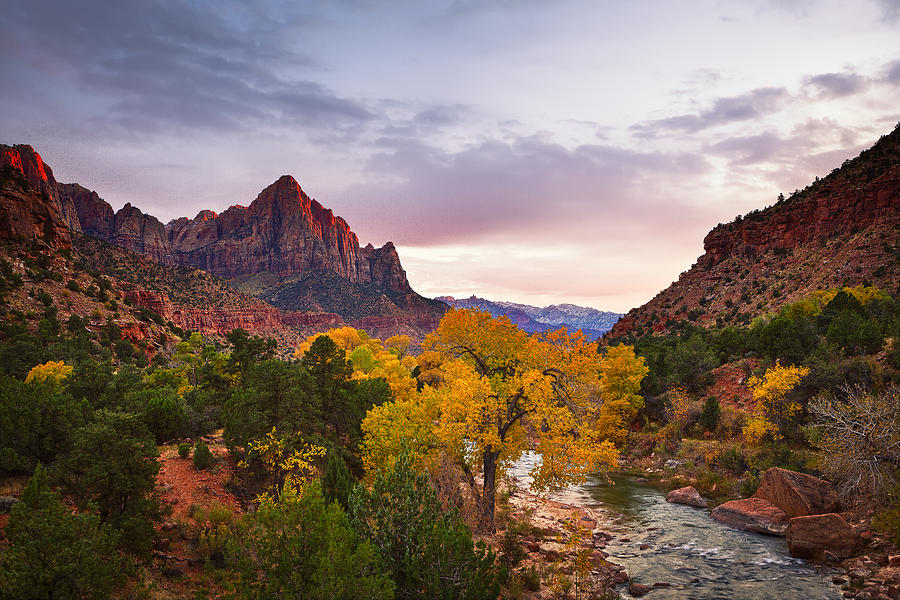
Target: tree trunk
{"points": [[490, 488]]}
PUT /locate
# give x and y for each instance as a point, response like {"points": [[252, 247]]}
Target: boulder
{"points": [[6, 503], [812, 535], [797, 494], [638, 589], [686, 495], [752, 514]]}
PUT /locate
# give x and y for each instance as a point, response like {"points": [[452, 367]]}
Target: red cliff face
{"points": [[95, 216], [258, 318], [37, 212], [283, 232], [831, 210], [24, 159]]}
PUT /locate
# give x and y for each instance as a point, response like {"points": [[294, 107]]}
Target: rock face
{"points": [[29, 206], [844, 224], [752, 514], [218, 321], [811, 536], [25, 160], [283, 232], [686, 495], [797, 494]]}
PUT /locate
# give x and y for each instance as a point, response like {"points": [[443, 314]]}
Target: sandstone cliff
{"points": [[843, 229]]}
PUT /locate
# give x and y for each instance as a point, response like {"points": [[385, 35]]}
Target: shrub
{"points": [[202, 456], [428, 549], [55, 553], [184, 449], [859, 439], [887, 521], [36, 420], [709, 416], [163, 413], [215, 530], [337, 482], [733, 460], [299, 547]]}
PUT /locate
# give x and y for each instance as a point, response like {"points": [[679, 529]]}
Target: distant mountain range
{"points": [[594, 323]]}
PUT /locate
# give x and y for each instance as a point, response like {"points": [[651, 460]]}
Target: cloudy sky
{"points": [[536, 151]]}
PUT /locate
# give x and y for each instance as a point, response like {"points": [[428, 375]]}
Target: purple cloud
{"points": [[754, 104], [836, 85]]}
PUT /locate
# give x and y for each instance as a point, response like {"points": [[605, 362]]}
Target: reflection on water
{"points": [[682, 546]]}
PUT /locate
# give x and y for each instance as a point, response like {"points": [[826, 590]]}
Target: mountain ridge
{"points": [[840, 230]]}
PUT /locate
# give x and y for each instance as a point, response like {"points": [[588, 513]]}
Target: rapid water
{"points": [[699, 557]]}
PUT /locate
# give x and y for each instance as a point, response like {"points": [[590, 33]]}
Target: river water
{"points": [[699, 557]]}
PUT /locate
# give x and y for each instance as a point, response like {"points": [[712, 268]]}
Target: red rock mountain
{"points": [[841, 230], [294, 252]]}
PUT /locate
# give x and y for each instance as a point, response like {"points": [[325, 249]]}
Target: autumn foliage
{"points": [[497, 392]]}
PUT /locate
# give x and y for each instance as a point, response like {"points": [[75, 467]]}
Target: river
{"points": [[682, 546]]}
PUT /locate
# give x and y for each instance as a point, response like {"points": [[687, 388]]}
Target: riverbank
{"points": [[872, 573], [558, 548]]}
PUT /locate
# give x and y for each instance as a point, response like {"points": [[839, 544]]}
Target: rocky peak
{"points": [[24, 159]]}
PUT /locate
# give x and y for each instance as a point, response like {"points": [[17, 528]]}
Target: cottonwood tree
{"points": [[775, 410], [501, 389], [860, 438]]}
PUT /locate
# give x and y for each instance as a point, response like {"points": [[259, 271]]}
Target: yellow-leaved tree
{"points": [[372, 359], [54, 371], [621, 374], [501, 391], [774, 410]]}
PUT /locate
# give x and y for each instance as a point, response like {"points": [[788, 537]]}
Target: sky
{"points": [[523, 150]]}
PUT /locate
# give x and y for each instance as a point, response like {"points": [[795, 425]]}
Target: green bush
{"points": [[184, 449], [887, 521], [749, 484], [202, 456], [163, 412], [54, 553], [709, 416], [36, 422], [428, 549], [733, 460], [337, 482], [300, 547]]}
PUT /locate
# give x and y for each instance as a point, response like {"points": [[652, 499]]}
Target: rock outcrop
{"points": [[25, 160], [797, 494], [30, 208], [686, 495], [812, 535], [752, 514]]}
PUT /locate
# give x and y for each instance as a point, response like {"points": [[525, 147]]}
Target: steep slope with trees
{"points": [[843, 229]]}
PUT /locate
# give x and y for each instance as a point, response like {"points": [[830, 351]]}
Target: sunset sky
{"points": [[533, 151]]}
